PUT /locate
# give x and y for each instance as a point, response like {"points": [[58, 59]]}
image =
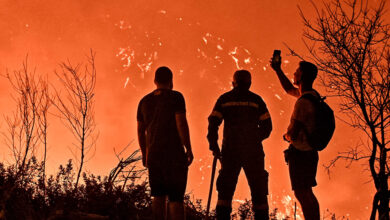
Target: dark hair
{"points": [[163, 75], [309, 71], [243, 79]]}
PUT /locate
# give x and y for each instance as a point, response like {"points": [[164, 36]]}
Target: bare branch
{"points": [[77, 107], [349, 42]]}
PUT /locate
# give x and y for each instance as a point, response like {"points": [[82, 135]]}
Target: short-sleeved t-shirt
{"points": [[241, 111], [304, 113], [157, 111]]}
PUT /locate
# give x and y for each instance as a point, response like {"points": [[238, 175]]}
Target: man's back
{"points": [[157, 111], [302, 159], [241, 110]]}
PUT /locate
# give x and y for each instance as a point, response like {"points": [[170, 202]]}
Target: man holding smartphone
{"points": [[301, 157]]}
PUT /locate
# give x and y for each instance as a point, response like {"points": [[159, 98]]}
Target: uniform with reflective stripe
{"points": [[247, 119], [247, 123]]}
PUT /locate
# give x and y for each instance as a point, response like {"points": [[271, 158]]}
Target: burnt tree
{"points": [[348, 40], [76, 107]]}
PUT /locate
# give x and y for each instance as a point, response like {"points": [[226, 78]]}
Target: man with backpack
{"points": [[162, 135], [247, 123], [307, 133]]}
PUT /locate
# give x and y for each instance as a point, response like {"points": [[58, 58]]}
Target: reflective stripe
{"points": [[251, 104], [265, 116], [216, 114]]}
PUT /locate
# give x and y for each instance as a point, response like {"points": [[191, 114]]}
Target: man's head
{"points": [[163, 77], [242, 79], [305, 74]]}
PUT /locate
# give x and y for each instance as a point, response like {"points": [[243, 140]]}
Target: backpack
{"points": [[324, 123]]}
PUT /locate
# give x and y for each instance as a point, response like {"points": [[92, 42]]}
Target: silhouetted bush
{"points": [[29, 197]]}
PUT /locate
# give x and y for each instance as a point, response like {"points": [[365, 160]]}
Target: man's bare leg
{"points": [[309, 203], [159, 207], [176, 210]]}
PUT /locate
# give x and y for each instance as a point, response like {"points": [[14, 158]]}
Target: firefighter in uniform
{"points": [[247, 123]]}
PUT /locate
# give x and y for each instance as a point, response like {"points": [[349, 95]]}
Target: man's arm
{"points": [[286, 83], [265, 126], [293, 130], [296, 124], [141, 130], [215, 120], [184, 133]]}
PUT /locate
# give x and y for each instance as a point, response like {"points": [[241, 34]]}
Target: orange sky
{"points": [[203, 42]]}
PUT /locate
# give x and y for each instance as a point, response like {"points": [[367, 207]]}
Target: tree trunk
{"points": [[383, 208]]}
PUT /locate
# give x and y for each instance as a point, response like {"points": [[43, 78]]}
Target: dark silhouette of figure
{"points": [[163, 134], [302, 158], [247, 123]]}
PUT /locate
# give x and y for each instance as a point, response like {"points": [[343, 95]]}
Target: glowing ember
{"points": [[277, 96], [127, 81]]}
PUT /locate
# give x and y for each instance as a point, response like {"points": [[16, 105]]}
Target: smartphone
{"points": [[276, 55]]}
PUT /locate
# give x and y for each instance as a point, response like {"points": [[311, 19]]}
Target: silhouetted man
{"points": [[247, 123], [302, 159], [163, 134]]}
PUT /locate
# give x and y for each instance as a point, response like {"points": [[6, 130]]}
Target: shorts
{"points": [[168, 181], [302, 166]]}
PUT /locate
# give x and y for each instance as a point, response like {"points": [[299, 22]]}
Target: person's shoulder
{"points": [[230, 93], [303, 100], [150, 97], [176, 94], [313, 93], [306, 100], [309, 96], [316, 94], [225, 96], [147, 96], [256, 97]]}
